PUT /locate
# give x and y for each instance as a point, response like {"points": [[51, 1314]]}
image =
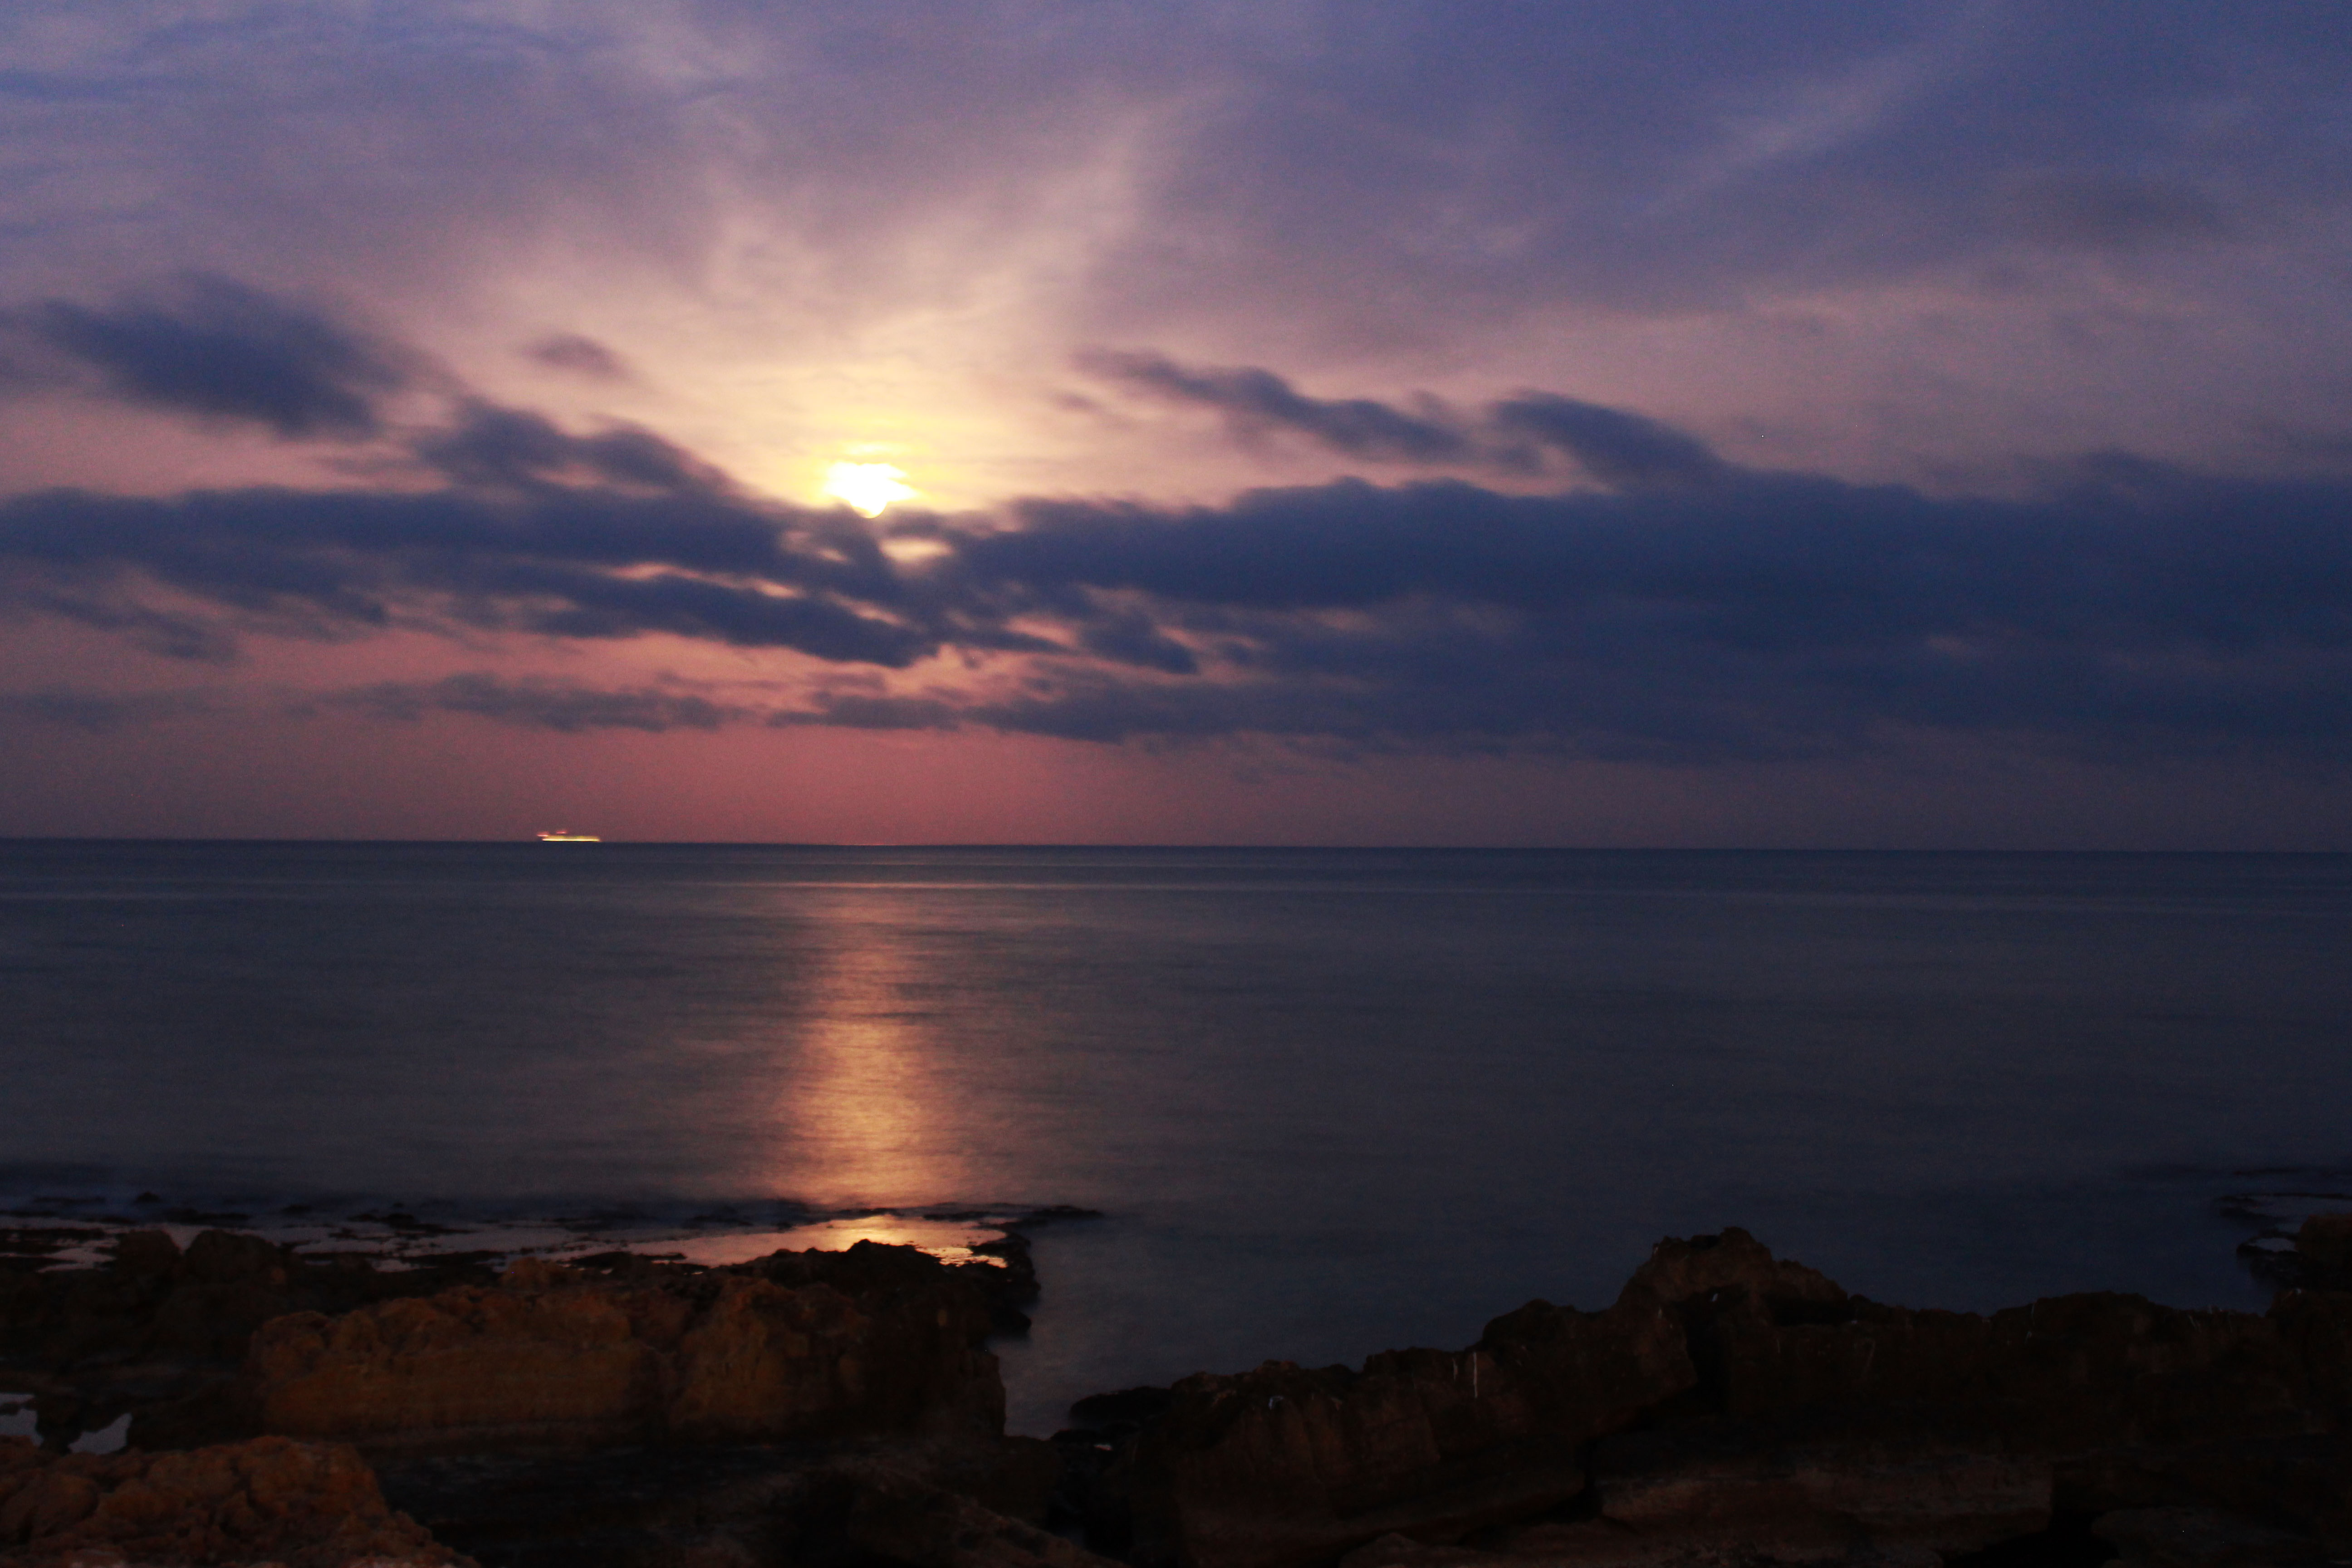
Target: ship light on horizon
{"points": [[867, 487]]}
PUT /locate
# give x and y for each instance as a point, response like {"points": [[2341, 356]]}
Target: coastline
{"points": [[1729, 1406]]}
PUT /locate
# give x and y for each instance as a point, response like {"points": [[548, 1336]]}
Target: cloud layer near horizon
{"points": [[1680, 609]]}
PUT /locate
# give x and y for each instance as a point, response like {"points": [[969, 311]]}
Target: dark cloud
{"points": [[487, 446], [579, 356], [590, 562], [1527, 435], [541, 704], [1696, 613], [220, 350], [1613, 445], [1257, 401], [102, 712], [2106, 211], [2144, 610]]}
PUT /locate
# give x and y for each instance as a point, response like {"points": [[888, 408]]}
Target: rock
{"points": [[872, 1341], [1284, 1464], [1394, 1551], [1777, 1407], [156, 1324], [1731, 1263], [2199, 1538], [2323, 1243], [1875, 1483], [2068, 1373], [909, 1521], [2302, 1484], [1126, 1410], [150, 1252], [297, 1504], [750, 1505], [2316, 1328]]}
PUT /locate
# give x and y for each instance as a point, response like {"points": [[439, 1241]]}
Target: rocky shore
{"points": [[841, 1410]]}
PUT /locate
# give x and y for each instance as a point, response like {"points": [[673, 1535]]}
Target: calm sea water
{"points": [[1330, 1101]]}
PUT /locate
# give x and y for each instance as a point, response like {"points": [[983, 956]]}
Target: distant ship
{"points": [[565, 835]]}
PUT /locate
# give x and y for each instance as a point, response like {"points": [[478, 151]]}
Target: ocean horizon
{"points": [[1325, 1101]]}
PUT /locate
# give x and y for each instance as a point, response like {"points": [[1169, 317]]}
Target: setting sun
{"points": [[868, 487]]}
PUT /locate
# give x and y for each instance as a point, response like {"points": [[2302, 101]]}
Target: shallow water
{"points": [[1329, 1100]]}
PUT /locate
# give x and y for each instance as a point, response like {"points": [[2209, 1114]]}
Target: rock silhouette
{"points": [[1734, 1406], [301, 1505], [840, 1410]]}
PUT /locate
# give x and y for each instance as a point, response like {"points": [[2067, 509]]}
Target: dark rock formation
{"points": [[1287, 1465], [872, 1341], [768, 1505], [301, 1505], [1733, 1407], [839, 1410], [157, 1323]]}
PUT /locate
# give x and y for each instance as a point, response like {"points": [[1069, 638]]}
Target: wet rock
{"points": [[297, 1504], [875, 1341]]}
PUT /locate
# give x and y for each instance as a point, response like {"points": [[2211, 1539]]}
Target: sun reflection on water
{"points": [[868, 1113]]}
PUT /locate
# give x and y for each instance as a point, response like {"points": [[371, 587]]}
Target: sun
{"points": [[868, 487]]}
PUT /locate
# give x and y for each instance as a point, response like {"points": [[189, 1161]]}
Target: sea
{"points": [[1320, 1102]]}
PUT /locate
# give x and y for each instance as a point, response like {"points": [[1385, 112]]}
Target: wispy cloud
{"points": [[1530, 435]]}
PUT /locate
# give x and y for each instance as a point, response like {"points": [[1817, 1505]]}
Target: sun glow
{"points": [[868, 487]]}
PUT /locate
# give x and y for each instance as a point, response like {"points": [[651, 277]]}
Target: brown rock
{"points": [[300, 1505], [1286, 1466], [157, 1325], [798, 1346], [468, 1368]]}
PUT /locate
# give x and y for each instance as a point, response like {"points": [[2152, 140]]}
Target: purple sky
{"points": [[1353, 422]]}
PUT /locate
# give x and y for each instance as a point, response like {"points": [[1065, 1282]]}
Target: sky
{"points": [[1753, 423]]}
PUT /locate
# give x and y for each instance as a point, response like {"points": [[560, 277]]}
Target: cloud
{"points": [[592, 562], [1521, 436], [1256, 402], [539, 703], [2143, 611], [1675, 608], [103, 712], [220, 350], [488, 446], [2110, 212], [576, 355]]}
